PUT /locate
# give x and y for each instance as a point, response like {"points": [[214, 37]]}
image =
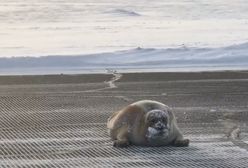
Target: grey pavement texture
{"points": [[60, 120]]}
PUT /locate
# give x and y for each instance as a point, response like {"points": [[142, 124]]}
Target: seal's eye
{"points": [[153, 120]]}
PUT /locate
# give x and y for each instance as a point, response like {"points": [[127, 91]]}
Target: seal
{"points": [[145, 123]]}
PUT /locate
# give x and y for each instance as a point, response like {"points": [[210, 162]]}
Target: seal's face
{"points": [[158, 125]]}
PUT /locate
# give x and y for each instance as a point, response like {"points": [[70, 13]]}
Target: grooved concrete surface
{"points": [[46, 122]]}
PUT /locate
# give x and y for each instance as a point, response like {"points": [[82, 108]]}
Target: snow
{"points": [[93, 35], [171, 59], [49, 27], [151, 132]]}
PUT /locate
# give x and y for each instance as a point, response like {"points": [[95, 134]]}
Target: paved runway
{"points": [[60, 120]]}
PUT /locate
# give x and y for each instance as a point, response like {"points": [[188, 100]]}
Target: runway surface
{"points": [[60, 120]]}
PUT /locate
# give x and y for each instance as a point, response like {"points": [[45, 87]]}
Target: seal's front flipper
{"points": [[181, 143], [121, 143], [122, 138]]}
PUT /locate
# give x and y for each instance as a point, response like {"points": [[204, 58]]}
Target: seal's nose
{"points": [[160, 126]]}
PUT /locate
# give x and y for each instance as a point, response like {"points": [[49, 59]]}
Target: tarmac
{"points": [[55, 121]]}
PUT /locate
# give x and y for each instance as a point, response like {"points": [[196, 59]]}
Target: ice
{"points": [[91, 36], [49, 27], [171, 59]]}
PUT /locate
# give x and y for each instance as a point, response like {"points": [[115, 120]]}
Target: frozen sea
{"points": [[75, 36]]}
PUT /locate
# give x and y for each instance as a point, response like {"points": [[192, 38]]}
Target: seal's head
{"points": [[158, 124]]}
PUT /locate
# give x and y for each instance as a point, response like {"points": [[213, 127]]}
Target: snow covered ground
{"points": [[136, 60], [143, 34]]}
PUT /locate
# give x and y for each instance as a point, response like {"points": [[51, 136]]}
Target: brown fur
{"points": [[128, 126]]}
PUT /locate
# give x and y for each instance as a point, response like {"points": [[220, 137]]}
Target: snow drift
{"points": [[177, 59]]}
